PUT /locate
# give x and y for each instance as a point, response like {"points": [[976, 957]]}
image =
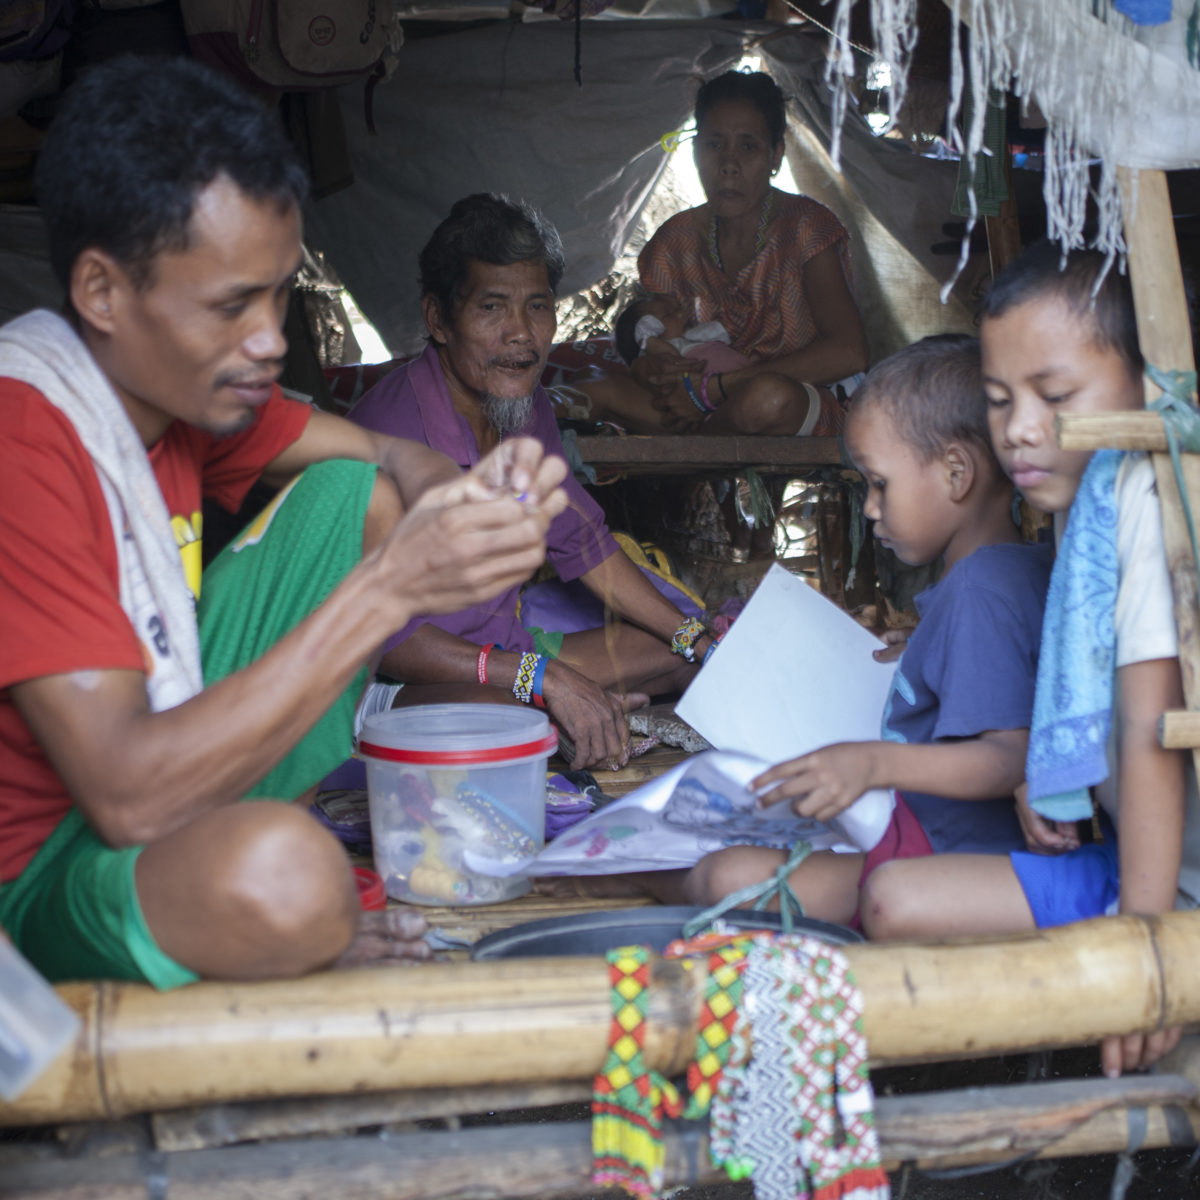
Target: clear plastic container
{"points": [[444, 778], [35, 1025]]}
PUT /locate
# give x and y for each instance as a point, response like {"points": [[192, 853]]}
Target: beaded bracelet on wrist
{"points": [[526, 672], [691, 391], [685, 638]]}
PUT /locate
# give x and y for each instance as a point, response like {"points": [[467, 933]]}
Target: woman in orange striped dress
{"points": [[770, 266]]}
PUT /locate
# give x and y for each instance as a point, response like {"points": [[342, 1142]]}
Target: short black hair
{"points": [[135, 142], [489, 228], [755, 86], [1085, 280], [932, 391], [625, 327]]}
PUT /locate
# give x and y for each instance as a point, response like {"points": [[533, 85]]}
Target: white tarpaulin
{"points": [[496, 108]]}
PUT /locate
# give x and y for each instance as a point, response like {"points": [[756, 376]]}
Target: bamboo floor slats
{"points": [[546, 1159]]}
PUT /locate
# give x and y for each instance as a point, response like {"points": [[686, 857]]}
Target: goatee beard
{"points": [[508, 414]]}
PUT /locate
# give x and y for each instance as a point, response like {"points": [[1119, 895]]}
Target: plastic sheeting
{"points": [[495, 108]]}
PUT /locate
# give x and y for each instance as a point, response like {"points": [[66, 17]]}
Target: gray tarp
{"points": [[495, 108]]}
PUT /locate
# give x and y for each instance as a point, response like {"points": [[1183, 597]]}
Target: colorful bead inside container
{"points": [[457, 796], [371, 895]]}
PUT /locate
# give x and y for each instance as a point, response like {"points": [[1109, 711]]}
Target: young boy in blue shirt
{"points": [[1054, 341], [956, 726]]}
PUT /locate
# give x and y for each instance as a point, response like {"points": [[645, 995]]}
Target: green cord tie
{"points": [[1181, 420], [761, 894]]}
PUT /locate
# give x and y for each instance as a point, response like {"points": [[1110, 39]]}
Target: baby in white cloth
{"points": [[661, 323]]}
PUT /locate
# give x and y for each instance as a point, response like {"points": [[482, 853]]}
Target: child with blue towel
{"points": [[1055, 341]]}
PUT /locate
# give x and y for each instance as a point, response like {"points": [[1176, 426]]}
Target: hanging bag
{"points": [[290, 45]]}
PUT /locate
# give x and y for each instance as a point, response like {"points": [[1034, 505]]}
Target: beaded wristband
{"points": [[708, 653], [704, 400], [691, 391], [538, 676], [523, 684], [481, 662], [684, 640]]}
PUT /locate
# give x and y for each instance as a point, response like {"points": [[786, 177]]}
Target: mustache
{"points": [[269, 373], [515, 362]]}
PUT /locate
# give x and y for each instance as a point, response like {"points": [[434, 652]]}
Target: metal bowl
{"points": [[656, 926]]}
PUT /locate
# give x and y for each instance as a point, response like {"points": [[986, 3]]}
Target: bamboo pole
{"points": [[524, 1021], [1179, 729], [1164, 333], [1118, 431]]}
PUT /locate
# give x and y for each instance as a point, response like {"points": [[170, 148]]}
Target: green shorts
{"points": [[74, 911]]}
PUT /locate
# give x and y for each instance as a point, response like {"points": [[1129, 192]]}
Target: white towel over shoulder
{"points": [[42, 349]]}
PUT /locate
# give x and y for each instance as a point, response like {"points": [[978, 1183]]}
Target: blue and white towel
{"points": [[1072, 708]]}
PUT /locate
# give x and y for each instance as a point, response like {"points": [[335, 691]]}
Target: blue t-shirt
{"points": [[970, 666]]}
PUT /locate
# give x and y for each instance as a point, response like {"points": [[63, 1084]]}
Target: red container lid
{"points": [[461, 758], [457, 735], [371, 895]]}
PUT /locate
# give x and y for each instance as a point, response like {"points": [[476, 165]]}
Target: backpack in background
{"points": [[290, 45]]}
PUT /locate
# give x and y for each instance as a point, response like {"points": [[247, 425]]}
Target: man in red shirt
{"points": [[128, 734]]}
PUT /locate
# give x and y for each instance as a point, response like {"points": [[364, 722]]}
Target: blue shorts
{"points": [[1069, 887]]}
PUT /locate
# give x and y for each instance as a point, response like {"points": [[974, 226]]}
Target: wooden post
{"points": [[1166, 341], [531, 1020]]}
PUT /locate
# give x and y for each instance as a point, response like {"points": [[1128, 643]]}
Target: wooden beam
{"points": [[641, 453], [546, 1020], [1164, 333], [1179, 730], [976, 1125], [205, 1126], [1117, 431]]}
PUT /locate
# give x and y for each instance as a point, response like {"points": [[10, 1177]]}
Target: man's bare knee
{"points": [[258, 890], [384, 510]]}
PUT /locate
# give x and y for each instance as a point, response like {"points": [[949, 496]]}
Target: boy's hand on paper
{"points": [[896, 640], [821, 784], [1043, 836]]}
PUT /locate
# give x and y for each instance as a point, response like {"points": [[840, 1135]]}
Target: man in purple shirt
{"points": [[488, 280]]}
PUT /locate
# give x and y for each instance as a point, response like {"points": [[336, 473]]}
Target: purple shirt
{"points": [[413, 401]]}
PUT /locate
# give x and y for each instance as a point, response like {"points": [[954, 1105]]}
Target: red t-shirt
{"points": [[60, 604]]}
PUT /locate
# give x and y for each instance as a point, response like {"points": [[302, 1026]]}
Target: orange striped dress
{"points": [[765, 307]]}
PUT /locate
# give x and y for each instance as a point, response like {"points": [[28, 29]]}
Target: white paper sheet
{"points": [[671, 822], [793, 674]]}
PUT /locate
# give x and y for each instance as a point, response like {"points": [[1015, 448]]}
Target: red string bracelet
{"points": [[481, 662]]}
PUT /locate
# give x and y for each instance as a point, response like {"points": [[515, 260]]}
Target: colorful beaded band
{"points": [[527, 672], [481, 662], [685, 637]]}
